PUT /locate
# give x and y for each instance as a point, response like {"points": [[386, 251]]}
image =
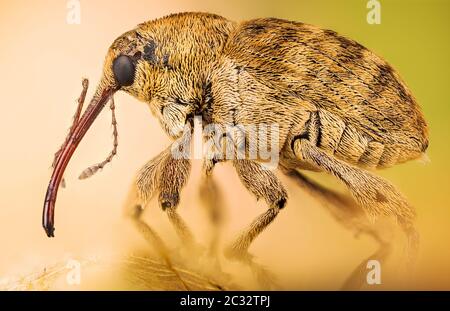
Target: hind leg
{"points": [[375, 195], [349, 214]]}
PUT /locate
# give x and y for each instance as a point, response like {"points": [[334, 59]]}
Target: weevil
{"points": [[341, 109]]}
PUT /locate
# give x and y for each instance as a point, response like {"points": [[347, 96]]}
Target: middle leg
{"points": [[263, 184]]}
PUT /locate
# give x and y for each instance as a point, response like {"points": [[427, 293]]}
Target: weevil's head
{"points": [[146, 65], [164, 63]]}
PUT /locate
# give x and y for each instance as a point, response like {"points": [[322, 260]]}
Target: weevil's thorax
{"points": [[173, 57]]}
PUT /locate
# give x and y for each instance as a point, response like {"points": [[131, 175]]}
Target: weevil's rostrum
{"points": [[340, 109]]}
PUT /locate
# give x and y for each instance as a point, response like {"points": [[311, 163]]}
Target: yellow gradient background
{"points": [[42, 61]]}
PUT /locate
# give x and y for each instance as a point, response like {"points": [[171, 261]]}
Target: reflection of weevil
{"points": [[340, 109]]}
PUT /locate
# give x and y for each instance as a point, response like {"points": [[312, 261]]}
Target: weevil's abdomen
{"points": [[351, 145]]}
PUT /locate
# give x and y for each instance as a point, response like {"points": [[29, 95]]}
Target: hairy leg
{"points": [[375, 195], [263, 184], [133, 211], [212, 200], [172, 178], [349, 214], [164, 175]]}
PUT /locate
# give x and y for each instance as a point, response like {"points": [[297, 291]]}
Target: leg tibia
{"points": [[242, 243]]}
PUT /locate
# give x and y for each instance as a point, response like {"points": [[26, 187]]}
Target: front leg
{"points": [[166, 174], [141, 191], [174, 115], [172, 178]]}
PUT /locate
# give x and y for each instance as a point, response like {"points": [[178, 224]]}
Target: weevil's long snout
{"points": [[79, 129]]}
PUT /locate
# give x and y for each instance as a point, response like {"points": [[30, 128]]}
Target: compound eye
{"points": [[124, 70]]}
